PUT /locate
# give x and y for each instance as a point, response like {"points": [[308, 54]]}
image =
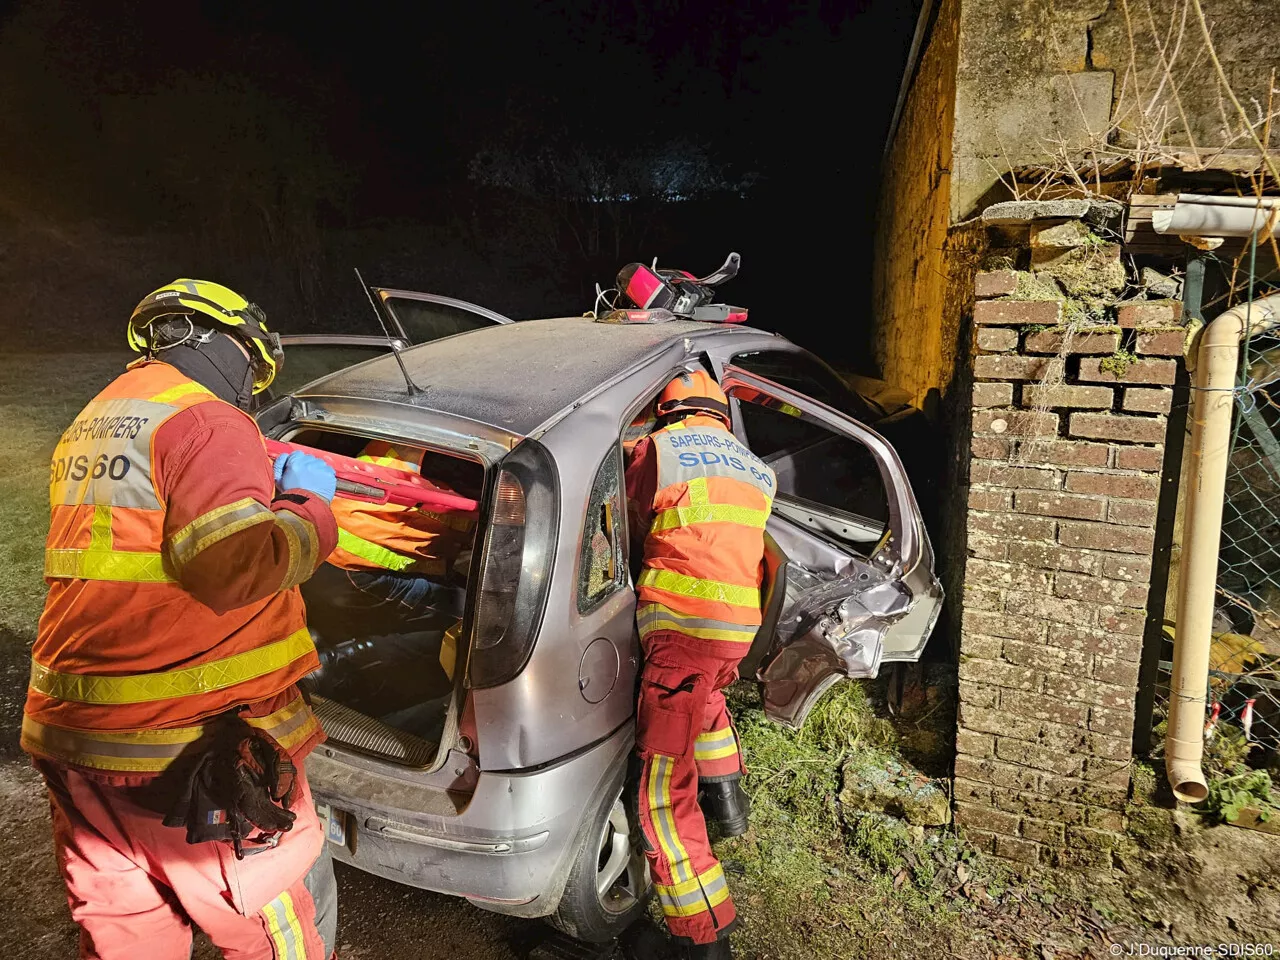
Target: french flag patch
{"points": [[216, 816]]}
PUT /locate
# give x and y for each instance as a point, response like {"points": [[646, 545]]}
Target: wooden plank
{"points": [[1250, 818]]}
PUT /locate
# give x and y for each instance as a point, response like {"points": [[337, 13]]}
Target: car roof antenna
{"points": [[413, 388]]}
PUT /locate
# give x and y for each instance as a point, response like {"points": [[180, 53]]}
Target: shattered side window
{"points": [[601, 563], [807, 376]]}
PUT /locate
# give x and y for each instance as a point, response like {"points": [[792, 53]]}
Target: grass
{"points": [[39, 395], [813, 880]]}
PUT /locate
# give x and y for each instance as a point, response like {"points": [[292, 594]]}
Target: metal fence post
{"points": [[1166, 514]]}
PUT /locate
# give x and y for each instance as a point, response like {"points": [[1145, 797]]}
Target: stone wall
{"points": [[1045, 79], [1067, 449], [1025, 88], [1167, 88]]}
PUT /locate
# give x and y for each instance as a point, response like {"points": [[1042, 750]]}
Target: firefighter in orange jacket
{"points": [[398, 556], [700, 500], [172, 640]]}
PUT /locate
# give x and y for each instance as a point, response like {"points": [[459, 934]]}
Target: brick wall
{"points": [[1064, 474], [915, 340]]}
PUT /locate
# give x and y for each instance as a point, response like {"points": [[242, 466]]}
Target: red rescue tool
{"points": [[360, 480]]}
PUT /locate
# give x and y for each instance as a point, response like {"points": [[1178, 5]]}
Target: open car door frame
{"points": [[831, 613], [382, 298], [385, 295]]}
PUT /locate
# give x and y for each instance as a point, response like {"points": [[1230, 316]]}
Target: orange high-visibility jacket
{"points": [[173, 573], [388, 536], [705, 544]]}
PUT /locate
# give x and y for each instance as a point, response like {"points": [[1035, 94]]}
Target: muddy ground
{"points": [[378, 919], [1219, 885]]}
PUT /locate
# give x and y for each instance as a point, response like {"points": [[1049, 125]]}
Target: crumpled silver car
{"points": [[485, 757]]}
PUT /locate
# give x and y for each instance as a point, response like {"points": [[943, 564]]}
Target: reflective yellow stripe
{"points": [[181, 390], [688, 886], [716, 753], [100, 528], [172, 684], [664, 821], [387, 461], [674, 517], [270, 911], [299, 944], [101, 562], [687, 899], [697, 488], [216, 525], [699, 589], [375, 554], [152, 751], [304, 547], [715, 746], [652, 617], [119, 565]]}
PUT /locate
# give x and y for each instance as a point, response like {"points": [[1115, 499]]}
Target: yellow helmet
{"points": [[196, 300]]}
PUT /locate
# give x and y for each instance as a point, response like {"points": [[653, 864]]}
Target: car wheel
{"points": [[608, 884]]}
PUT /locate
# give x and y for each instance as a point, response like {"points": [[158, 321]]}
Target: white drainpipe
{"points": [[1194, 215], [1217, 360]]}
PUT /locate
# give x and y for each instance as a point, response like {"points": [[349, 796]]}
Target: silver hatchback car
{"points": [[485, 756]]}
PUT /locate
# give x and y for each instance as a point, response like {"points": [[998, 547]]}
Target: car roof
{"points": [[514, 376]]}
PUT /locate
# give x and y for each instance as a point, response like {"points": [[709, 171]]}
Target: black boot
{"points": [[726, 803], [719, 950]]}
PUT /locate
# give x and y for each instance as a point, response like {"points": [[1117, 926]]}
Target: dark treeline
{"points": [[510, 154]]}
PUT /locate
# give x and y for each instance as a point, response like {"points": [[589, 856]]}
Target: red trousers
{"points": [[683, 733], [136, 886]]}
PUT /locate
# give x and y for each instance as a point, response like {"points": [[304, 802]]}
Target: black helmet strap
{"points": [[705, 404], [216, 361]]}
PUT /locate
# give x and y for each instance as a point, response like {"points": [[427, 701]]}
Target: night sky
{"points": [[510, 154]]}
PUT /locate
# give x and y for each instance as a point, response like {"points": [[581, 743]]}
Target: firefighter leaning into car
{"points": [[398, 556], [162, 691], [700, 500]]}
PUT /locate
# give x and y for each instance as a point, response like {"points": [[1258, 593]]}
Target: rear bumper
{"points": [[509, 849]]}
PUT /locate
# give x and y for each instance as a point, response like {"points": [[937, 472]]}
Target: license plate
{"points": [[334, 822]]}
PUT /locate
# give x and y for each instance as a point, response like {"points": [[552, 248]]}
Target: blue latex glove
{"points": [[296, 470]]}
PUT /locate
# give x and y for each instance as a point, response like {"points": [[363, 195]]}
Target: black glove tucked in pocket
{"points": [[242, 781]]}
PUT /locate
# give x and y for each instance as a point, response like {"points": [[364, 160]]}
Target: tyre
{"points": [[608, 884]]}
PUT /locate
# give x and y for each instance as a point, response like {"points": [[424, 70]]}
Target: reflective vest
{"points": [[704, 550], [640, 427], [126, 664], [388, 536]]}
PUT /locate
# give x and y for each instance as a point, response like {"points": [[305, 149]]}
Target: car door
{"points": [[309, 357], [423, 317], [411, 318], [851, 581]]}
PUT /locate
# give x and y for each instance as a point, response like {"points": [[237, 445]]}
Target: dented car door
{"points": [[852, 582]]}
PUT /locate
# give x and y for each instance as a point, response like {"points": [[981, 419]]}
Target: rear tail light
{"points": [[503, 550], [516, 565]]}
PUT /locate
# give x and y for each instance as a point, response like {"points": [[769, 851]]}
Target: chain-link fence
{"points": [[1243, 719]]}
